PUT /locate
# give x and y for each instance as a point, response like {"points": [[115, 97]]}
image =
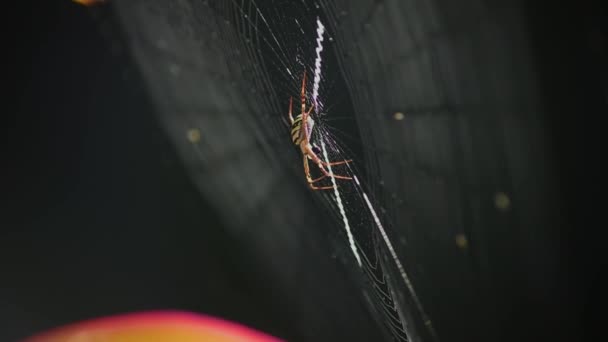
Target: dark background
{"points": [[95, 214], [99, 215], [571, 52], [571, 49]]}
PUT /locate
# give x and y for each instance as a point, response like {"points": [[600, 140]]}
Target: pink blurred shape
{"points": [[155, 326]]}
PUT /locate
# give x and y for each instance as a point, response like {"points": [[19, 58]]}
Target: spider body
{"points": [[297, 135], [301, 131]]}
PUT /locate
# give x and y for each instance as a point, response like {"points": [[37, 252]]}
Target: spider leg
{"points": [[336, 163], [311, 181], [320, 187], [290, 110], [312, 106], [319, 163], [307, 171], [316, 179], [326, 173]]}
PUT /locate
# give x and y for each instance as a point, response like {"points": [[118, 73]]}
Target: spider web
{"points": [[435, 187], [283, 39]]}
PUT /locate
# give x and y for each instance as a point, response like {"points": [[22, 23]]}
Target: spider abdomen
{"points": [[297, 135]]}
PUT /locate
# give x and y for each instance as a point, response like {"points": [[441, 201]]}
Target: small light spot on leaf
{"points": [[461, 241], [502, 201], [398, 116], [194, 135]]}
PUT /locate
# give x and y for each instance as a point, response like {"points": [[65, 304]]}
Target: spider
{"points": [[301, 130]]}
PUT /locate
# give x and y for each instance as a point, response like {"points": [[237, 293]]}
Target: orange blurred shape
{"points": [[88, 2], [160, 326]]}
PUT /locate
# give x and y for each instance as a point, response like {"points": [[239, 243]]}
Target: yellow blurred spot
{"points": [[398, 116], [502, 201], [461, 241], [194, 135], [88, 2]]}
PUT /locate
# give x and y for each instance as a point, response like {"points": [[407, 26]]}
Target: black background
{"points": [[571, 52], [99, 216], [96, 221]]}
